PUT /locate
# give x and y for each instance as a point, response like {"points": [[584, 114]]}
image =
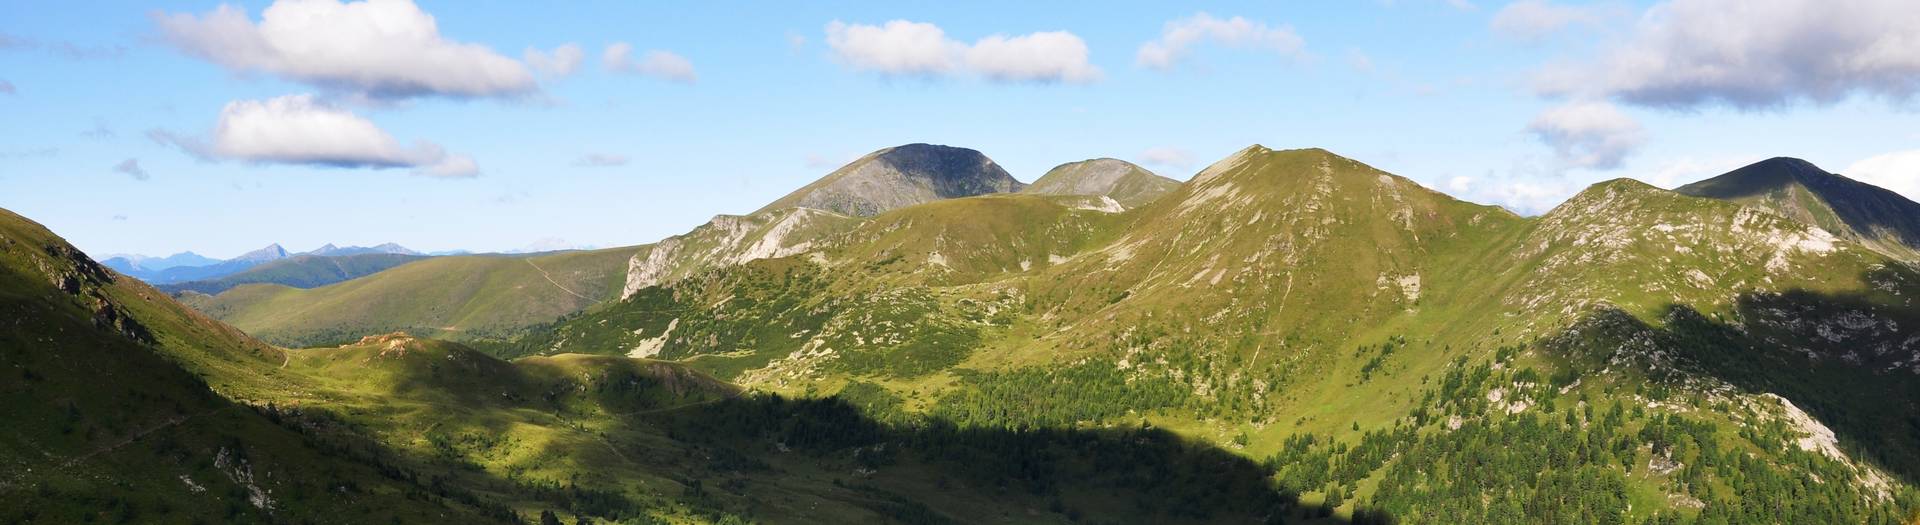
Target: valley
{"points": [[1290, 336]]}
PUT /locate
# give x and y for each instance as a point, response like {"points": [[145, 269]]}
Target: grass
{"points": [[469, 298]]}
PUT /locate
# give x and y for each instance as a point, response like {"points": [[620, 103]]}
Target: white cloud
{"points": [[299, 129], [1755, 54], [377, 48], [904, 48], [1588, 134], [1050, 56], [1178, 38], [1898, 171], [601, 160], [560, 62], [1167, 156], [131, 168], [1537, 19], [898, 47], [655, 63]]}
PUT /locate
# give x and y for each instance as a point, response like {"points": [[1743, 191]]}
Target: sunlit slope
{"points": [[480, 298], [1128, 185], [1301, 305]]}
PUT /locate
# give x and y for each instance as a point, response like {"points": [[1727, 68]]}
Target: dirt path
{"points": [[110, 447], [549, 278]]}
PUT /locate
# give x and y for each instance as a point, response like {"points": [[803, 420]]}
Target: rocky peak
{"points": [[901, 176]]}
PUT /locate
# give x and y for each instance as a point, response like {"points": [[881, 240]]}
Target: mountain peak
{"points": [[1124, 182], [1771, 175], [1797, 189], [269, 253], [901, 176]]}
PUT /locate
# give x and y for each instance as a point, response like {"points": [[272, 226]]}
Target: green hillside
{"points": [[110, 416], [1676, 358], [468, 298], [393, 428], [299, 271]]}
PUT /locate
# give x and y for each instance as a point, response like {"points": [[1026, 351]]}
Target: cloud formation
{"points": [[1179, 37], [1538, 19], [301, 130], [655, 63], [1049, 56], [131, 168], [387, 49], [1755, 55], [902, 48], [1898, 171], [559, 63], [1588, 134]]}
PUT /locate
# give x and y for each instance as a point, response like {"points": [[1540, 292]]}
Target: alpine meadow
{"points": [[1524, 262]]}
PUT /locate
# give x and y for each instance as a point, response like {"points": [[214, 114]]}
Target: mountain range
{"points": [[1288, 336], [188, 266]]}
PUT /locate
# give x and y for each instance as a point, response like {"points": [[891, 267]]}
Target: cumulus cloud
{"points": [[1179, 37], [1898, 171], [1755, 54], [904, 48], [655, 63], [559, 63], [1587, 134], [898, 47], [378, 48], [131, 168], [601, 160], [1537, 19], [1167, 156], [299, 129], [1050, 56]]}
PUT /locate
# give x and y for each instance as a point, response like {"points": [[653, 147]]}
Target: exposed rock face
{"points": [[1853, 210], [901, 176], [728, 240], [1130, 185]]}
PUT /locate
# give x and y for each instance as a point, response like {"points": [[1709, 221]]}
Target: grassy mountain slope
{"points": [[1797, 189], [107, 423], [900, 176], [300, 271], [474, 298], [393, 428], [1308, 309], [1126, 183]]}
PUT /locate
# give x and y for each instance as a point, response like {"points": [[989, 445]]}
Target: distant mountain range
{"points": [[188, 266]]}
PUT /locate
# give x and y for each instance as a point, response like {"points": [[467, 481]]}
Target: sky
{"points": [[153, 128]]}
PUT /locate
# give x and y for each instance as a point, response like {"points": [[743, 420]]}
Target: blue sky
{"points": [[115, 111]]}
